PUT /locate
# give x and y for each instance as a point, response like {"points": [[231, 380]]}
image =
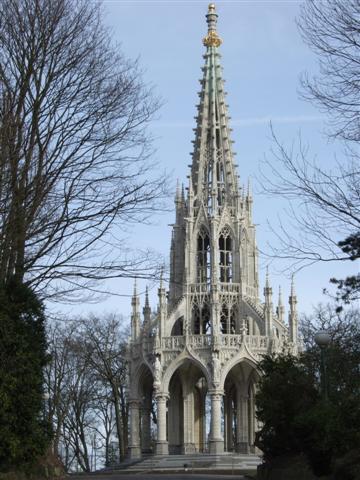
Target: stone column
{"points": [[229, 424], [134, 446], [161, 442], [203, 422], [189, 444], [225, 425], [146, 428], [243, 425], [251, 422], [216, 441]]}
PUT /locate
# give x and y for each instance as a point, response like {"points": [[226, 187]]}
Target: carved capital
{"points": [[134, 403]]}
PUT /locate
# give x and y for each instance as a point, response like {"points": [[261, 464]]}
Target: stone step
{"points": [[227, 461]]}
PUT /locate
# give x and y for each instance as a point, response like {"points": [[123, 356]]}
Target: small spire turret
{"points": [[135, 315], [293, 320], [162, 304], [147, 309], [177, 193], [268, 307], [280, 307]]}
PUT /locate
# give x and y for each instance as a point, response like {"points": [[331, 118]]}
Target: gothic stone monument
{"points": [[197, 356]]}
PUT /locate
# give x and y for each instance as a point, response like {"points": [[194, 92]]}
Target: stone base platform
{"points": [[191, 463]]}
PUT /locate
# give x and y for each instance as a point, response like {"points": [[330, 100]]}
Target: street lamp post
{"points": [[322, 340]]}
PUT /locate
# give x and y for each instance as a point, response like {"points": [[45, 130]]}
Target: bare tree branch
{"points": [[74, 149]]}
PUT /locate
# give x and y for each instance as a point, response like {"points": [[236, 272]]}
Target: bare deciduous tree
{"points": [[331, 28], [85, 383], [324, 204], [343, 326], [324, 219], [74, 148], [58, 375], [106, 356]]}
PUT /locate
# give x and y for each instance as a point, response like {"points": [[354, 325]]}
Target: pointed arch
{"points": [[241, 358], [142, 379], [178, 327], [184, 357], [203, 255], [200, 319], [228, 317], [225, 255]]}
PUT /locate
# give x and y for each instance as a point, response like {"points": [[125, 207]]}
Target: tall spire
{"points": [[214, 179]]}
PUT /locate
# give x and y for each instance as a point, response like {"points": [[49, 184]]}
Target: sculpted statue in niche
{"points": [[216, 367], [157, 370]]}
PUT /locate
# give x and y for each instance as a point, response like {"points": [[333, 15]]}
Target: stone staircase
{"points": [[192, 462]]}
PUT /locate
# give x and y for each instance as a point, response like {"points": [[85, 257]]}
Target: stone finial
{"points": [[147, 309], [178, 192], [280, 307], [212, 39], [293, 320], [135, 315], [267, 278], [161, 277], [249, 188], [280, 302], [135, 298], [293, 293], [147, 296]]}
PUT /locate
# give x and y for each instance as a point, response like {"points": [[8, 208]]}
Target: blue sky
{"points": [[263, 56]]}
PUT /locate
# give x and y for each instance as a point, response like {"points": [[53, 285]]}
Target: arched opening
{"points": [[203, 257], [187, 410], [228, 317], [239, 409], [175, 415], [147, 417], [220, 183], [178, 328], [225, 251], [201, 319]]}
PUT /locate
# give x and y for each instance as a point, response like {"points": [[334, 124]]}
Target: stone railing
{"points": [[199, 341], [233, 288], [177, 342], [199, 288], [256, 343]]}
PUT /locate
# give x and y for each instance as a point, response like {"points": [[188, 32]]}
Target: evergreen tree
{"points": [[296, 418], [24, 434]]}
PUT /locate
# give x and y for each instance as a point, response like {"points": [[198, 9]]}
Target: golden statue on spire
{"points": [[212, 39]]}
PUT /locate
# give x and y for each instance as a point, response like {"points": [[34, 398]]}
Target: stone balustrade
{"points": [[256, 343]]}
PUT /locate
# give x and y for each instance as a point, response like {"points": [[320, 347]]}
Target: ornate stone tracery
{"points": [[197, 357]]}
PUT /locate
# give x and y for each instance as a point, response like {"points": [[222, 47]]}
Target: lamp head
{"points": [[322, 338]]}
